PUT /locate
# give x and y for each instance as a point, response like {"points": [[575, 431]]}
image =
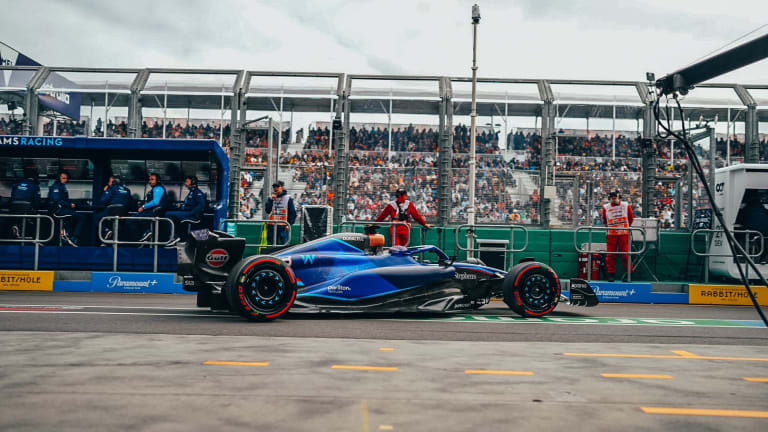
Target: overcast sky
{"points": [[580, 39], [589, 39]]}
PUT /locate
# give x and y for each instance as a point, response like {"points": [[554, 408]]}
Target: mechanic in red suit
{"points": [[401, 210], [617, 214]]}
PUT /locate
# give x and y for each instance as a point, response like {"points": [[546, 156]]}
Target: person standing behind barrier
{"points": [[617, 214], [279, 206], [401, 210], [58, 198], [114, 193], [157, 201], [192, 209]]}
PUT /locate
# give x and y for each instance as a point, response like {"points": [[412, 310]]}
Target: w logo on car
{"points": [[308, 259]]}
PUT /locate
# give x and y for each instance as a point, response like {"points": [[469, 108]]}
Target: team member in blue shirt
{"points": [[114, 193], [58, 198], [157, 201], [193, 207]]}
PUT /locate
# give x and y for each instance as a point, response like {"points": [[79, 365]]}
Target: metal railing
{"points": [[355, 223], [747, 241], [471, 231], [116, 242], [36, 240], [273, 223], [590, 251]]}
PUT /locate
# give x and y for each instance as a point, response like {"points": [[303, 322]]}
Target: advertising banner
{"points": [[616, 292], [64, 102], [26, 280], [725, 294], [134, 283]]}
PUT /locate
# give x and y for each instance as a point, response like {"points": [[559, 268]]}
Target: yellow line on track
{"points": [[386, 349], [644, 376], [705, 412], [496, 372], [364, 414], [684, 353], [661, 356], [755, 379], [386, 427], [371, 368], [234, 363]]}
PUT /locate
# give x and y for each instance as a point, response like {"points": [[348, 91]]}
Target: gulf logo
{"points": [[217, 258]]}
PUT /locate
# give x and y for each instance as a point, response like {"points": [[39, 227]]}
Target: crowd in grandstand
{"points": [[506, 189]]}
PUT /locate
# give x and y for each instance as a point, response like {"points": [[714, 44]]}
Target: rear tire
{"points": [[261, 288], [531, 289]]}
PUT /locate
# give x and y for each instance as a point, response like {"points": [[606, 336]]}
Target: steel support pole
{"points": [[341, 153], [106, 111], [728, 139], [648, 161], [238, 111], [547, 157], [389, 128], [472, 142], [31, 102], [751, 136], [134, 104], [613, 137], [678, 202], [445, 153], [712, 150], [689, 216]]}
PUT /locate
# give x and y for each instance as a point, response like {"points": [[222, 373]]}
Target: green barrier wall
{"points": [[672, 261]]}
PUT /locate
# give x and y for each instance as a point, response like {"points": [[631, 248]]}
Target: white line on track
{"points": [[99, 307], [123, 313]]}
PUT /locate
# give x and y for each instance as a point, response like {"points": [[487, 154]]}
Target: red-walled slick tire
{"points": [[261, 288], [531, 289]]}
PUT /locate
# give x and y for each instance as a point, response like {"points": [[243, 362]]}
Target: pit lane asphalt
{"points": [[177, 314], [91, 361]]}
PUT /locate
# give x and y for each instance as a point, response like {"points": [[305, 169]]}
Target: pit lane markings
{"points": [[496, 372], [677, 355], [623, 321], [756, 379], [367, 368], [705, 412], [234, 363], [637, 376]]}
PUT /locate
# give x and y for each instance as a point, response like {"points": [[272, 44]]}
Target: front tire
{"points": [[261, 288], [531, 289]]}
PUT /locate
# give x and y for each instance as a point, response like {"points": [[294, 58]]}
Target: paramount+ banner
{"points": [[26, 280], [725, 294]]}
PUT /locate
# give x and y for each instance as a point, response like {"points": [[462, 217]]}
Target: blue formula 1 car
{"points": [[351, 272]]}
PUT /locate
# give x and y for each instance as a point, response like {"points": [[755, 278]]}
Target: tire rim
{"points": [[537, 293], [265, 290]]}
